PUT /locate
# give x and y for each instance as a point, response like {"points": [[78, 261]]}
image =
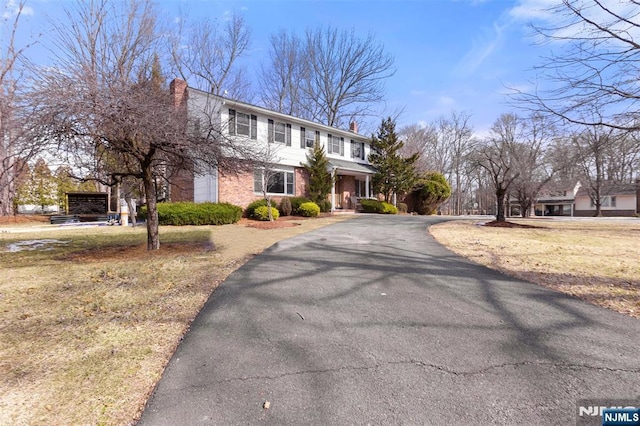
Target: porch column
{"points": [[366, 186], [333, 189]]}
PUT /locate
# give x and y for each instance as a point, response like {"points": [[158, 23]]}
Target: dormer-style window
{"points": [[243, 124]]}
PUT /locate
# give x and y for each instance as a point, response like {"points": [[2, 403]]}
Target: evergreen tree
{"points": [[395, 173], [43, 190], [429, 192], [65, 183], [320, 179]]}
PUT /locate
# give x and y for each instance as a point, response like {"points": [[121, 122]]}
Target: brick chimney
{"points": [[178, 90], [353, 127]]}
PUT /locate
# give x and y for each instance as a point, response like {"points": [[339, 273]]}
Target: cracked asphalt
{"points": [[370, 321]]}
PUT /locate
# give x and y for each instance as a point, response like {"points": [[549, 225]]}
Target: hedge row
{"points": [[375, 206], [187, 213]]}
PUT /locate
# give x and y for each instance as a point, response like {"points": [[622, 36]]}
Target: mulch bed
{"points": [[506, 224]]}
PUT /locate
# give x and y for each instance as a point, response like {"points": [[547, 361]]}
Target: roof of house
{"points": [[264, 111], [351, 166], [612, 188]]}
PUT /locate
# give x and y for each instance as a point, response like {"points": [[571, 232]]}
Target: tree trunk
{"points": [[500, 193], [153, 240]]}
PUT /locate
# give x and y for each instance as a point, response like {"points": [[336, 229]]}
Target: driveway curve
{"points": [[371, 321]]}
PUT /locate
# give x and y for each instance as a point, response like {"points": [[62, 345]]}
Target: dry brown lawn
{"points": [[594, 260], [88, 322]]}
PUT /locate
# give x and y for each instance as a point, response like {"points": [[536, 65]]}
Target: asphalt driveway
{"points": [[370, 321]]}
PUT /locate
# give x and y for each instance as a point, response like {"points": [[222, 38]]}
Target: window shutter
{"points": [[302, 137], [288, 137], [362, 150], [342, 146], [254, 127], [257, 180], [329, 143], [353, 145], [318, 137], [270, 137], [232, 121]]}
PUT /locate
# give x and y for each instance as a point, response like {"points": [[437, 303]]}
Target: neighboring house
{"points": [[557, 199], [290, 137], [572, 199], [554, 199], [616, 200]]}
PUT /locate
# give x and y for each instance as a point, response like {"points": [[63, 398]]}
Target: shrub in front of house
{"points": [[248, 212], [375, 206], [402, 207], [309, 209], [262, 213], [325, 205], [389, 208], [371, 206], [188, 213], [285, 206], [296, 202]]}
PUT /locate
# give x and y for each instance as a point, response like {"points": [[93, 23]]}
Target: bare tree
{"points": [[265, 160], [346, 75], [444, 146], [590, 152], [529, 158], [16, 147], [496, 156], [422, 140], [457, 135], [623, 158], [282, 78], [103, 104], [206, 55], [594, 61]]}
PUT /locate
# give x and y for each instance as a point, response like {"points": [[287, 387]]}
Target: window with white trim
{"points": [[243, 124], [280, 182], [280, 132], [606, 201], [335, 145], [308, 138], [361, 188], [357, 149]]}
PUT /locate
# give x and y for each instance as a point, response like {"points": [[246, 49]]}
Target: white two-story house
{"points": [[289, 139]]}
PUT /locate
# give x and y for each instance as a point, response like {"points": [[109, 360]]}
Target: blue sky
{"points": [[450, 55]]}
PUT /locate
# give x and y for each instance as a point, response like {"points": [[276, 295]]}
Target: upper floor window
{"points": [[308, 137], [280, 132], [357, 149], [335, 145], [243, 124]]}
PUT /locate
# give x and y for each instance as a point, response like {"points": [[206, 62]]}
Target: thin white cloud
{"points": [[446, 101], [528, 10], [481, 50], [12, 8]]}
